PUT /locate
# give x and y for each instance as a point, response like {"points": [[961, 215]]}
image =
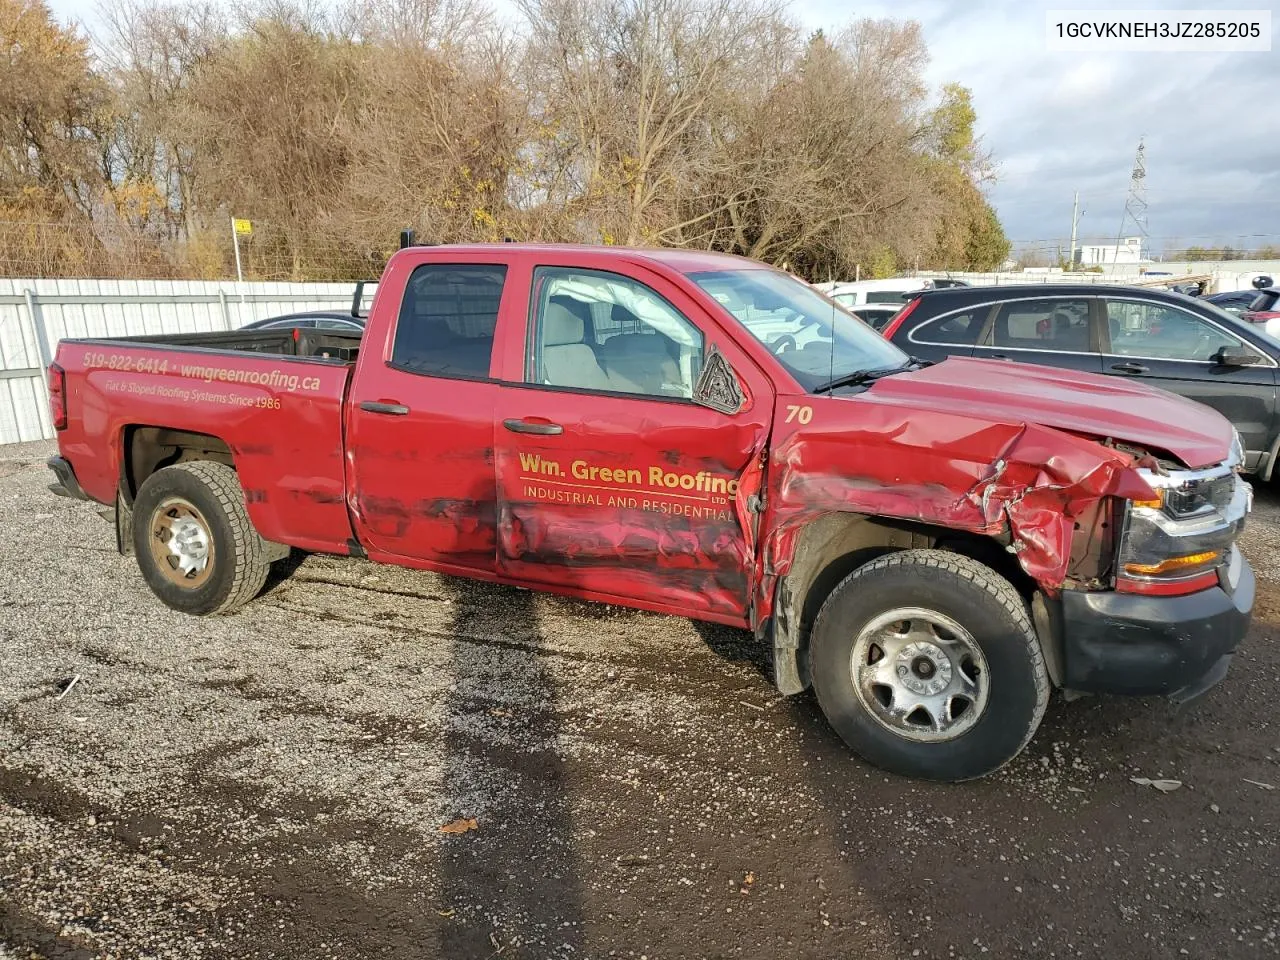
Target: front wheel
{"points": [[194, 542], [926, 664]]}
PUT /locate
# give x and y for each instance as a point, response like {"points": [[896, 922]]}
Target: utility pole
{"points": [[1075, 219]]}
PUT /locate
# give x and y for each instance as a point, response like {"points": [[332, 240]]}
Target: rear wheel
{"points": [[193, 539], [926, 664]]}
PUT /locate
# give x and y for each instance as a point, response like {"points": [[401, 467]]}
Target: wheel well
{"points": [[832, 547], [148, 449]]}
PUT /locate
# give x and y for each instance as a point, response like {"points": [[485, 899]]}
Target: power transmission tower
{"points": [[1135, 205]]}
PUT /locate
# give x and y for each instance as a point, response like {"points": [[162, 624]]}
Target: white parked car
{"points": [[895, 290]]}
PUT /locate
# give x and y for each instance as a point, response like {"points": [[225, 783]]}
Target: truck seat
{"points": [[566, 360], [640, 363]]}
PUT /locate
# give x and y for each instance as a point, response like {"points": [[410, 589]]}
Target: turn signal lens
{"points": [[1154, 504], [1171, 565]]}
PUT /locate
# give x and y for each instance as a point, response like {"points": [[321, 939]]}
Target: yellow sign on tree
{"points": [[243, 227]]}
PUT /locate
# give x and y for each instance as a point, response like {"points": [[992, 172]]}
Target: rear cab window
{"points": [[447, 320]]}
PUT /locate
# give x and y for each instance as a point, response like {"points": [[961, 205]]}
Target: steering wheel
{"points": [[783, 344]]}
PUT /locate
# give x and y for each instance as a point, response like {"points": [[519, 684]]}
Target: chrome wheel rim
{"points": [[180, 543], [920, 674]]}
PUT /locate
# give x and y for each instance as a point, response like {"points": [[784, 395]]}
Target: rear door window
{"points": [[447, 320]]}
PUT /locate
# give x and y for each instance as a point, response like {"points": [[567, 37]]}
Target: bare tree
{"points": [[627, 90], [814, 166], [151, 54], [704, 123], [51, 103]]}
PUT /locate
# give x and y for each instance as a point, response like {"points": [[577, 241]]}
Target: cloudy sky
{"points": [[1064, 121], [1057, 122]]}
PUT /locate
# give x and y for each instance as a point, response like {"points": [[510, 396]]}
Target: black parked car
{"points": [[1263, 298], [350, 322], [1168, 340], [323, 320]]}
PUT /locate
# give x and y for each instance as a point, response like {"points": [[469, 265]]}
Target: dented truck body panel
{"points": [[280, 417], [658, 503], [1020, 484]]}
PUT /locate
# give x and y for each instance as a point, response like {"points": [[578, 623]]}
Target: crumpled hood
{"points": [[1085, 403]]}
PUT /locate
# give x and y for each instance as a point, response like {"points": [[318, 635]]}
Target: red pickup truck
{"points": [[931, 547]]}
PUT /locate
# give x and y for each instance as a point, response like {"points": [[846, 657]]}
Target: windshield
{"points": [[815, 339]]}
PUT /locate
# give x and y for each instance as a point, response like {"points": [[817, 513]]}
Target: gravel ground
{"points": [[274, 783]]}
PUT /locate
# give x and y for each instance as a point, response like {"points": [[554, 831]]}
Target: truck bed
{"points": [[272, 400], [300, 342]]}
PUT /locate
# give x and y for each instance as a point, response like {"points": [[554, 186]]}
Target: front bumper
{"points": [[66, 484], [1140, 645]]}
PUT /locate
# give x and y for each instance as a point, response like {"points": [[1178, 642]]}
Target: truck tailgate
{"points": [[280, 416]]}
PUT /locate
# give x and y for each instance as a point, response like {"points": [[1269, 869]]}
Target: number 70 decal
{"points": [[801, 414]]}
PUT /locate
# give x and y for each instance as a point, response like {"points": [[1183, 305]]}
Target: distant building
{"points": [[1128, 250]]}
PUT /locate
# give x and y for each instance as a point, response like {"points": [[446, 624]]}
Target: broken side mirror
{"points": [[1235, 357], [718, 386]]}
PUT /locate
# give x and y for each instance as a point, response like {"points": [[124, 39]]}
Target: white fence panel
{"points": [[1227, 275], [36, 314]]}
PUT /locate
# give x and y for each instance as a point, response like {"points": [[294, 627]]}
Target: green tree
{"points": [[987, 246], [950, 128], [969, 235]]}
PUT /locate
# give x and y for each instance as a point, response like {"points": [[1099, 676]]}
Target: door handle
{"points": [[378, 406], [1130, 368], [544, 429]]}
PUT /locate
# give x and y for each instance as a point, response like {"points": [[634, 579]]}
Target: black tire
{"points": [[970, 595], [236, 566]]}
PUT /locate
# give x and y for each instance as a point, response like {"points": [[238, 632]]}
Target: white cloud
{"points": [[1091, 78]]}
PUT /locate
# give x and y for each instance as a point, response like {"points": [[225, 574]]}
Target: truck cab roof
{"points": [[681, 260]]}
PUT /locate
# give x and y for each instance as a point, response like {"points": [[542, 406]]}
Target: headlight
{"points": [[1187, 494], [1174, 542]]}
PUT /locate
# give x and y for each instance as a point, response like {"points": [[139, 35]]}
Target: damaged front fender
{"points": [[1022, 484]]}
